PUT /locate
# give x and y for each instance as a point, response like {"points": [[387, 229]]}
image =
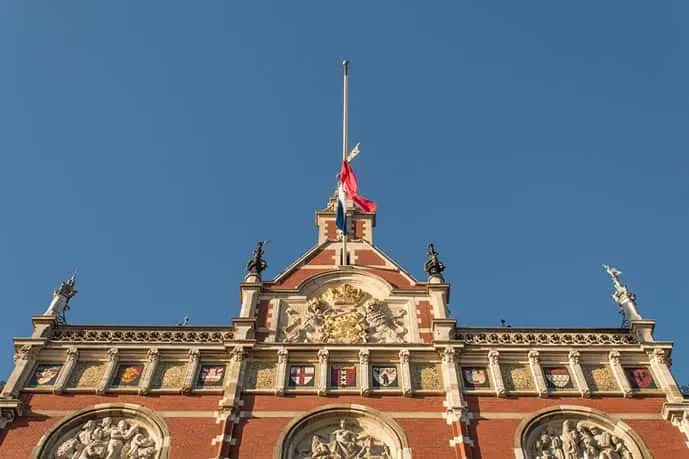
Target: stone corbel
{"points": [[110, 367], [618, 372], [578, 373], [364, 379], [322, 388], [537, 373], [494, 363], [192, 369], [153, 357], [405, 373], [659, 365], [24, 361], [281, 372], [67, 368]]}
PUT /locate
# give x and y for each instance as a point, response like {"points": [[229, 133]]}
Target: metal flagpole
{"points": [[345, 141]]}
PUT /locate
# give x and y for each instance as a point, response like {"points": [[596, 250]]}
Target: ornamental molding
{"points": [[576, 432], [112, 431], [543, 338], [343, 315], [144, 335]]}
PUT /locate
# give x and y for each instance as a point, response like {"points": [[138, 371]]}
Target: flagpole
{"points": [[345, 141]]}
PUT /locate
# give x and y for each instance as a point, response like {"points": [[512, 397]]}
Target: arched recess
{"points": [[344, 429], [121, 430], [570, 430], [371, 283]]}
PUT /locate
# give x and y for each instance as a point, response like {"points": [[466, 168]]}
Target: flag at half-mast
{"points": [[347, 187]]}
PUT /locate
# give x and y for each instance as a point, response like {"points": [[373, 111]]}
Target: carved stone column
{"points": [[405, 373], [23, 363], [234, 378], [150, 370], [364, 378], [110, 367], [618, 372], [281, 372], [494, 362], [537, 373], [67, 368], [455, 407], [192, 369], [578, 373], [659, 365], [322, 385]]}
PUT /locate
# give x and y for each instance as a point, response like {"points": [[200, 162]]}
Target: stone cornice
{"points": [[132, 334], [545, 336]]}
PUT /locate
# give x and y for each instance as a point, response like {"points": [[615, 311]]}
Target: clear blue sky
{"points": [[152, 143]]}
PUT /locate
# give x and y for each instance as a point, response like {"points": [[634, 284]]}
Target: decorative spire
{"points": [[67, 288], [625, 299], [433, 265], [256, 265]]}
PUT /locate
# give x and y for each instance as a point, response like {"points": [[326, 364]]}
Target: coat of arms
{"points": [[211, 375], [45, 375], [384, 376], [475, 377], [301, 375], [558, 378], [343, 376], [640, 378], [128, 375]]}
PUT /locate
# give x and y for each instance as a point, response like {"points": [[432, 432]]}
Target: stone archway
{"points": [[580, 432], [108, 430], [349, 430]]}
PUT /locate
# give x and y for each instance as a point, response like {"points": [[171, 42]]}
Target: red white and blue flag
{"points": [[348, 187]]}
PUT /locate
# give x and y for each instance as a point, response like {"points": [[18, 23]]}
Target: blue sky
{"points": [[152, 143]]}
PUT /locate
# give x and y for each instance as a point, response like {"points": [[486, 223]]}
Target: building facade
{"points": [[342, 357]]}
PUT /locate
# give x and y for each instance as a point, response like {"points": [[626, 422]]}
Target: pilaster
{"points": [[150, 369], [405, 373], [322, 383], [618, 372], [659, 365], [67, 368], [455, 407], [537, 373], [192, 369], [439, 294], [281, 371], [578, 373], [24, 361], [364, 378], [234, 379], [249, 296], [494, 363], [110, 367]]}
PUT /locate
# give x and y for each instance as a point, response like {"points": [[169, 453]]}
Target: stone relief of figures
{"points": [[345, 443], [108, 440], [577, 440], [344, 315]]}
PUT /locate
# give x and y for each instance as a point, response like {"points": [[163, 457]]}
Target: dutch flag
{"points": [[347, 187]]}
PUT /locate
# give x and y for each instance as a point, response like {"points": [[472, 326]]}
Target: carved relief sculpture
{"points": [[346, 315], [107, 439], [347, 441]]}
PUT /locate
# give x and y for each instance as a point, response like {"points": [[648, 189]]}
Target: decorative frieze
{"points": [[513, 336], [142, 335]]}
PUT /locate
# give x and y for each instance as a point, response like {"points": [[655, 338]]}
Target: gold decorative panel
{"points": [[260, 375], [426, 377], [169, 375], [600, 378], [517, 377], [86, 374]]}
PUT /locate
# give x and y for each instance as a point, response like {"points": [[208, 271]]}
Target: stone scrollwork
{"points": [[107, 432], [345, 315]]}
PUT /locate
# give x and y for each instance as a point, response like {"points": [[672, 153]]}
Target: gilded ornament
{"points": [[260, 375], [426, 377], [600, 378], [86, 374], [169, 375], [517, 377]]}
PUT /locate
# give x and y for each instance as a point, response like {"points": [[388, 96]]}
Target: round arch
{"points": [[342, 426], [142, 432], [573, 426], [373, 284]]}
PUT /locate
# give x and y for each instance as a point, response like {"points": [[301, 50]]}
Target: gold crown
{"points": [[344, 294]]}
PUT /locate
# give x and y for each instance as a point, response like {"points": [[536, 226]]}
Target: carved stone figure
{"points": [[107, 440], [344, 314], [256, 265], [433, 265], [583, 440], [345, 443]]}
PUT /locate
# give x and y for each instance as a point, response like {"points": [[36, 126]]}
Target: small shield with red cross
{"points": [[301, 375]]}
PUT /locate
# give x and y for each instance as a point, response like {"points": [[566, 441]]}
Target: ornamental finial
{"points": [[625, 299], [433, 265], [67, 287], [256, 265]]}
